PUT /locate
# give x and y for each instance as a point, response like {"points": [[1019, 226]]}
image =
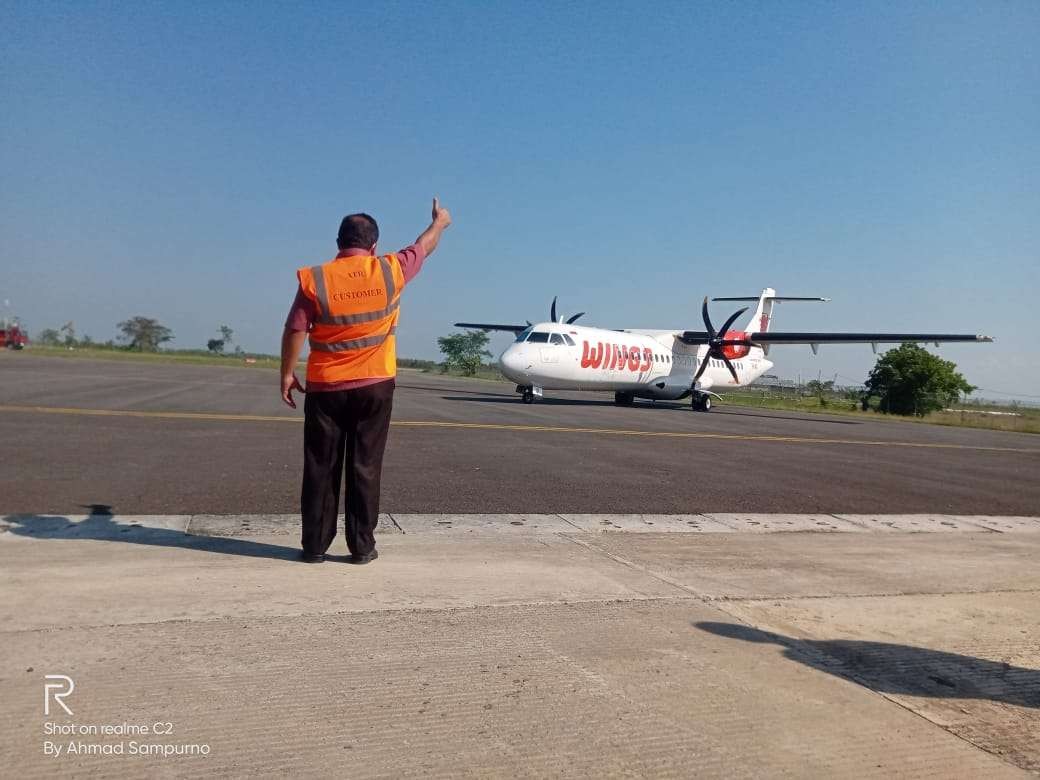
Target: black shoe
{"points": [[312, 557], [366, 558]]}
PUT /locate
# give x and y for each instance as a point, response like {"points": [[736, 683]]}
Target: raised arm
{"points": [[432, 235]]}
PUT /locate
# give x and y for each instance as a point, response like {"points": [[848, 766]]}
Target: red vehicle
{"points": [[11, 335]]}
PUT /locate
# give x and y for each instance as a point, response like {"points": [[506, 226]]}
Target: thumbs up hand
{"points": [[441, 216]]}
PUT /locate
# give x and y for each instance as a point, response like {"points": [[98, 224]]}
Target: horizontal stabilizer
{"points": [[770, 298]]}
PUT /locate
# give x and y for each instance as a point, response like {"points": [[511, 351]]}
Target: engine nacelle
{"points": [[664, 391]]}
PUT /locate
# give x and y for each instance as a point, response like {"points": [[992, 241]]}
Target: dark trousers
{"points": [[344, 432]]}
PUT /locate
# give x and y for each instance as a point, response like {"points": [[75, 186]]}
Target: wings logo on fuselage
{"points": [[616, 357]]}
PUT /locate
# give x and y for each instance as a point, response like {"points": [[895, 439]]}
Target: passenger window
{"points": [[556, 338], [538, 338]]}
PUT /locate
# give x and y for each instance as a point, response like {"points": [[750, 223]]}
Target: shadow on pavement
{"points": [[901, 669], [100, 525], [549, 401], [454, 390], [729, 411]]}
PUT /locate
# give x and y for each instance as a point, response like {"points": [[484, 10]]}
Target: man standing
{"points": [[349, 308]]}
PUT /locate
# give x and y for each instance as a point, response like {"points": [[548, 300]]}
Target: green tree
{"points": [[144, 334], [49, 337], [463, 351], [820, 389], [910, 380], [69, 333], [216, 346]]}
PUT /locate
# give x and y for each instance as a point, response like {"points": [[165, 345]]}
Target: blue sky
{"points": [[181, 160]]}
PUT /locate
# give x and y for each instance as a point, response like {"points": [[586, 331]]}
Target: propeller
{"points": [[717, 342], [554, 318], [519, 328]]}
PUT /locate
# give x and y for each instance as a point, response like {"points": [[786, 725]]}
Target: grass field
{"points": [[1013, 417], [969, 415], [197, 357]]}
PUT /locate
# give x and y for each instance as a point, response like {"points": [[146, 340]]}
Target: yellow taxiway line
{"points": [[512, 427]]}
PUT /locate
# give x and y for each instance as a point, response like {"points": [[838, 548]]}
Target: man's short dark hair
{"points": [[357, 231]]}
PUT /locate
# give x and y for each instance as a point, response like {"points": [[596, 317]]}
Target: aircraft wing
{"points": [[486, 326], [815, 339]]}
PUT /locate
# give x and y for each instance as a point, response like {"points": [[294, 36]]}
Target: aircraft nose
{"points": [[513, 363]]}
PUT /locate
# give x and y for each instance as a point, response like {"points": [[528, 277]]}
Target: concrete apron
{"points": [[717, 645], [111, 526]]}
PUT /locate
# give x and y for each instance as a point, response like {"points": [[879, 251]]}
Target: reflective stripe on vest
{"points": [[325, 318], [343, 346]]}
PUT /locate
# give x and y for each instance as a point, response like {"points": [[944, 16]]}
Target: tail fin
{"points": [[763, 316]]}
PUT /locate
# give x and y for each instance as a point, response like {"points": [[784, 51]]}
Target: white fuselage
{"points": [[646, 363]]}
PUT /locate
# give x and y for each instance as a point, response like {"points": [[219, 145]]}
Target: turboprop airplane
{"points": [[664, 364]]}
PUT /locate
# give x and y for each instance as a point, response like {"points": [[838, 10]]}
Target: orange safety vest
{"points": [[357, 300]]}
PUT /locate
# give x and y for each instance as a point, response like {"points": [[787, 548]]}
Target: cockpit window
{"points": [[538, 338], [522, 335], [556, 338], [569, 340]]}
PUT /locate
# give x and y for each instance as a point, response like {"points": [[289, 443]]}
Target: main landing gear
{"points": [[624, 399], [700, 402]]}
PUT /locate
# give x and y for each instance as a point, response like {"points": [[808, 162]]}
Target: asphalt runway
{"points": [[167, 438]]}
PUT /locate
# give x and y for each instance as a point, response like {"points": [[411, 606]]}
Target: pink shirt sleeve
{"points": [[302, 314], [411, 260]]}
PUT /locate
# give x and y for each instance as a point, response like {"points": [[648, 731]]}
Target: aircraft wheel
{"points": [[624, 399], [706, 404], [528, 396]]}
